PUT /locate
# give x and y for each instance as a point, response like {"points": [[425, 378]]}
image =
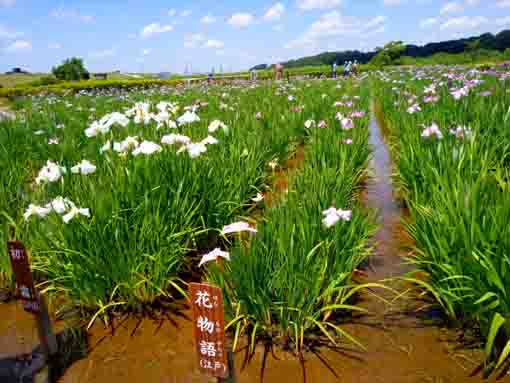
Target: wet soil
{"points": [[402, 347], [18, 334]]}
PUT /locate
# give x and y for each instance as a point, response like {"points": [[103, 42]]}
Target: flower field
{"points": [[123, 197], [448, 131]]}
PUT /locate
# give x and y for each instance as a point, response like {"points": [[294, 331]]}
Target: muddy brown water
{"points": [[401, 347]]}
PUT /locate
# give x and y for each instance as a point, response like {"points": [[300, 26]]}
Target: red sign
{"points": [[25, 289], [208, 328]]}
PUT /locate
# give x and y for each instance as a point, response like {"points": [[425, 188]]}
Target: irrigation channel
{"points": [[402, 346]]}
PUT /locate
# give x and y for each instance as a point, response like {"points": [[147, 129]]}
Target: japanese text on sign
{"points": [[208, 328]]}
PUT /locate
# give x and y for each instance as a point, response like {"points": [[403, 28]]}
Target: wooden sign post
{"points": [[209, 331], [30, 298]]}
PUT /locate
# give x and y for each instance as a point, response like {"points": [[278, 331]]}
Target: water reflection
{"points": [[388, 242]]}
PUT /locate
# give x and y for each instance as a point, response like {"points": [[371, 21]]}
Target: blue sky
{"points": [[165, 35]]}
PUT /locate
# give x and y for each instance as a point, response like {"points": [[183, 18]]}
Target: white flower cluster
{"points": [[105, 124], [141, 114], [333, 215], [84, 167], [50, 173], [217, 124], [63, 206], [132, 144], [53, 172]]}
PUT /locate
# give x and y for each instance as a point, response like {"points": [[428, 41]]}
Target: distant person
{"points": [[345, 69], [253, 75], [278, 68], [348, 68], [355, 68], [209, 77], [334, 69]]}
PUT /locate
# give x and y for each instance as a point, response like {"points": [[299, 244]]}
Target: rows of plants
{"points": [[50, 85], [67, 86], [152, 178], [117, 192], [283, 285], [448, 131]]}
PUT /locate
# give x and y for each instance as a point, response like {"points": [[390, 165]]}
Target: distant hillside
{"points": [[498, 42]]}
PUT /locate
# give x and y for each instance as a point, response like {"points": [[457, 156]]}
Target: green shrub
{"points": [[71, 70], [389, 55], [48, 80], [61, 87], [43, 81]]}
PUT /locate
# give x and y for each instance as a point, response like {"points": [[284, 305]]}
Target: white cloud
{"points": [[377, 31], [208, 19], [503, 21], [275, 12], [7, 3], [154, 29], [472, 3], [54, 46], [172, 12], [19, 46], [330, 24], [307, 5], [215, 44], [146, 52], [392, 3], [220, 52], [241, 20], [503, 3], [375, 22], [192, 39], [185, 13], [103, 54], [429, 22], [335, 24], [62, 13], [278, 28], [464, 23], [451, 7], [6, 33]]}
